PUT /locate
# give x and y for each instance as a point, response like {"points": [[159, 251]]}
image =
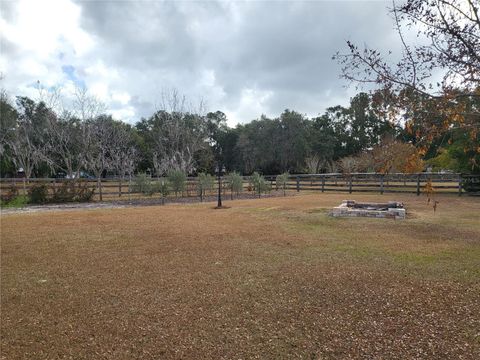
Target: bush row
{"points": [[176, 182], [44, 193]]}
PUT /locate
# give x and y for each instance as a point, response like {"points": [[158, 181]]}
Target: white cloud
{"points": [[252, 101], [121, 97], [100, 70], [40, 27], [124, 113]]}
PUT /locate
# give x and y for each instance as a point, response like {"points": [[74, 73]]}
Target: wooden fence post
{"points": [[99, 187], [323, 184], [418, 185], [298, 183], [129, 186], [459, 185], [350, 185], [381, 184]]}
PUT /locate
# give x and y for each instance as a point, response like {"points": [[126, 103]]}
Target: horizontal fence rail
{"points": [[115, 188], [386, 183]]}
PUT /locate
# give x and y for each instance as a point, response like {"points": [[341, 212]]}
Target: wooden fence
{"points": [[385, 183], [114, 189]]}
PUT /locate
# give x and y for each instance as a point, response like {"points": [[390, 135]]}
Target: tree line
{"points": [[85, 141]]}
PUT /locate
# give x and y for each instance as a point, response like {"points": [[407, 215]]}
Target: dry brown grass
{"points": [[269, 279]]}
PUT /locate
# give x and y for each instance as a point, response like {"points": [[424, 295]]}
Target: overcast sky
{"points": [[243, 58]]}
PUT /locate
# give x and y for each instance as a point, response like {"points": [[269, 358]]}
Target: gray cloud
{"points": [[244, 58]]}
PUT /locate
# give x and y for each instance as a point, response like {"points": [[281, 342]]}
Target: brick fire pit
{"points": [[350, 208]]}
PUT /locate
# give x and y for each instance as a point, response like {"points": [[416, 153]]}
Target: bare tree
{"points": [[66, 140], [85, 105], [178, 134], [26, 140], [51, 97], [123, 153], [98, 156], [172, 101], [25, 154]]}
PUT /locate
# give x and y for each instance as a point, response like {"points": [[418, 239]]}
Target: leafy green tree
{"points": [[458, 154], [8, 122], [8, 119], [273, 145], [292, 146], [322, 141]]}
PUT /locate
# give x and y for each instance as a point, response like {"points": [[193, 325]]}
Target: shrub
{"points": [[267, 188], [72, 191], [235, 183], [163, 188], [18, 201], [64, 193], [9, 195], [281, 181], [471, 184], [38, 193], [142, 184], [42, 193], [204, 182], [259, 183], [84, 193], [177, 181]]}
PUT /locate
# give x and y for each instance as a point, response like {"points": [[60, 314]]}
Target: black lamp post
{"points": [[220, 170]]}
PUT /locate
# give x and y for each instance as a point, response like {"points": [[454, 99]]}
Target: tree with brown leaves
{"points": [[451, 29]]}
